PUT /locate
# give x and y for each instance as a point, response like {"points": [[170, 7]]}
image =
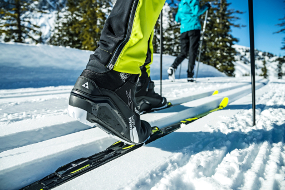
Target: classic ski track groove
{"points": [[251, 159], [34, 94], [251, 162], [271, 166], [33, 113]]}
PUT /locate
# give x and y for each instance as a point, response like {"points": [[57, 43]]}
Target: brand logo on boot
{"points": [[132, 122], [124, 76], [129, 96], [134, 137], [85, 85]]}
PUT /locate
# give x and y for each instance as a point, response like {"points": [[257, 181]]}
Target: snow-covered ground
{"points": [[219, 151]]}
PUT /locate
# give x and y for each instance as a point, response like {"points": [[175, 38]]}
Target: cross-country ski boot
{"points": [[190, 77], [107, 97], [171, 74], [147, 100]]}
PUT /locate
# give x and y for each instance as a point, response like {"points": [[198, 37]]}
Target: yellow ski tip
{"points": [[224, 102], [215, 92]]}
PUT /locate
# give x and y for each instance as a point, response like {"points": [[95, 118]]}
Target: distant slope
{"points": [[24, 65], [243, 66], [46, 65]]}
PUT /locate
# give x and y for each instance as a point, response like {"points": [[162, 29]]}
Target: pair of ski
{"points": [[83, 165]]}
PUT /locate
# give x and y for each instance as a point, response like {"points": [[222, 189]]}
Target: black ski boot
{"points": [[190, 77], [107, 97], [146, 98]]}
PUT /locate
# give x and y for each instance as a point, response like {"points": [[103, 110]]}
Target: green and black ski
{"points": [[83, 165]]}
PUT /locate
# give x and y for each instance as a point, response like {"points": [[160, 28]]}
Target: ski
{"points": [[169, 104], [78, 167]]}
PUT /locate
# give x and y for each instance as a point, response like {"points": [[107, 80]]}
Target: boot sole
{"points": [[81, 116]]}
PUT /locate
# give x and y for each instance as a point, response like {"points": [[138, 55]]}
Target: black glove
{"points": [[208, 5]]}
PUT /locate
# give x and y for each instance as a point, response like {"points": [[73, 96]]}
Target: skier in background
{"points": [[188, 15], [109, 89]]}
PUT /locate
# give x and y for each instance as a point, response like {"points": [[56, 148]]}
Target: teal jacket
{"points": [[188, 15]]}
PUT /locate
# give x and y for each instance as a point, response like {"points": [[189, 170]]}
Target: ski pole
{"points": [[204, 28], [161, 51]]}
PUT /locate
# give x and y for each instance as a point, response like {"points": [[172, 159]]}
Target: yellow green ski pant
{"points": [[126, 39]]}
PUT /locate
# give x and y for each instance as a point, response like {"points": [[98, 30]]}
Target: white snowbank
{"points": [[25, 66]]}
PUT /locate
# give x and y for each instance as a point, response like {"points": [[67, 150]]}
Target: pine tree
{"points": [[167, 40], [15, 25], [171, 31], [80, 25], [279, 70], [156, 37], [264, 70], [64, 32], [52, 5], [281, 61], [217, 48], [93, 19], [282, 24]]}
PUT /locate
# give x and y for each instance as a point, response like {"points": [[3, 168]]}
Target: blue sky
{"points": [[266, 15]]}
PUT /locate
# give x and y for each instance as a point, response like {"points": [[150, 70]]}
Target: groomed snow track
{"points": [[219, 151]]}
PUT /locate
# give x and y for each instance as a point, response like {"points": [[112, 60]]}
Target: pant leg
{"points": [[194, 38], [149, 58], [184, 43], [124, 40]]}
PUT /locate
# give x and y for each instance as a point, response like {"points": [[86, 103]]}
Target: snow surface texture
{"points": [[219, 151]]}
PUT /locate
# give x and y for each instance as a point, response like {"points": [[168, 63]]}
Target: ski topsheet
{"points": [[83, 165]]}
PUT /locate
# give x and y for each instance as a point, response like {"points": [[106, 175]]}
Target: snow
{"points": [[24, 65], [242, 63], [219, 151]]}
